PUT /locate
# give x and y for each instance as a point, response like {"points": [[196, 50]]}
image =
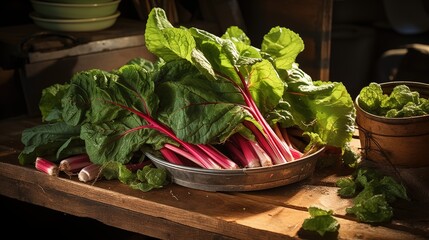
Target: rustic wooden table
{"points": [[176, 212]]}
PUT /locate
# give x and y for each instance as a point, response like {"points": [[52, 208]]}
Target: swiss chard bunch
{"points": [[262, 88], [208, 101]]}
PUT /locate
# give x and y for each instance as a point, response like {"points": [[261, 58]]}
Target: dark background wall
{"points": [[364, 32]]}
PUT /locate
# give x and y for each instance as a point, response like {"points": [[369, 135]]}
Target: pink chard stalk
{"points": [[204, 156], [46, 166], [74, 163], [89, 172]]}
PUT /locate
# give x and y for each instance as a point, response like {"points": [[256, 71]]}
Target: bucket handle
{"points": [[368, 138]]}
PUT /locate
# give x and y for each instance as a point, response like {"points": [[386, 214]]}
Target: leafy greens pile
{"points": [[401, 102], [200, 92], [372, 193]]}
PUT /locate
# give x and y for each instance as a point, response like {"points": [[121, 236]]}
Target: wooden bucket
{"points": [[401, 142]]}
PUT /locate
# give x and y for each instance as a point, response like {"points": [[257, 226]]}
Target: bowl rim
{"points": [[231, 172], [243, 179], [74, 1], [74, 5], [35, 16]]}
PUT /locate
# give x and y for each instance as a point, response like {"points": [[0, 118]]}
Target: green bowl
{"points": [[78, 1], [74, 11], [75, 25]]}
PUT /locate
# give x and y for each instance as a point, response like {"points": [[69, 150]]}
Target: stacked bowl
{"points": [[75, 15]]}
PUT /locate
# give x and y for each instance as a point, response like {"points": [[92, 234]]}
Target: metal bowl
{"points": [[245, 179]]}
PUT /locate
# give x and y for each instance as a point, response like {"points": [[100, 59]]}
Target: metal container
{"points": [[400, 142], [245, 179]]}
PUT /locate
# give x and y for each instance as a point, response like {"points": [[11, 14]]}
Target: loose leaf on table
{"points": [[372, 194], [54, 141], [321, 221]]}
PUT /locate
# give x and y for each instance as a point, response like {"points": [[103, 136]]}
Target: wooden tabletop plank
{"points": [[108, 214], [186, 213], [237, 216]]}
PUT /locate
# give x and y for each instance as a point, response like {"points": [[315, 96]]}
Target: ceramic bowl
{"points": [[74, 10], [75, 25], [78, 1]]}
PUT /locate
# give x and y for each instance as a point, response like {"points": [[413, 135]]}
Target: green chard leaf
{"points": [[50, 102], [266, 87], [86, 97], [321, 221], [107, 141], [151, 177], [236, 35], [347, 187], [374, 193], [392, 189], [102, 102], [145, 64], [283, 45], [373, 209], [144, 179], [199, 110], [164, 40], [321, 107], [220, 54], [116, 170], [53, 141]]}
